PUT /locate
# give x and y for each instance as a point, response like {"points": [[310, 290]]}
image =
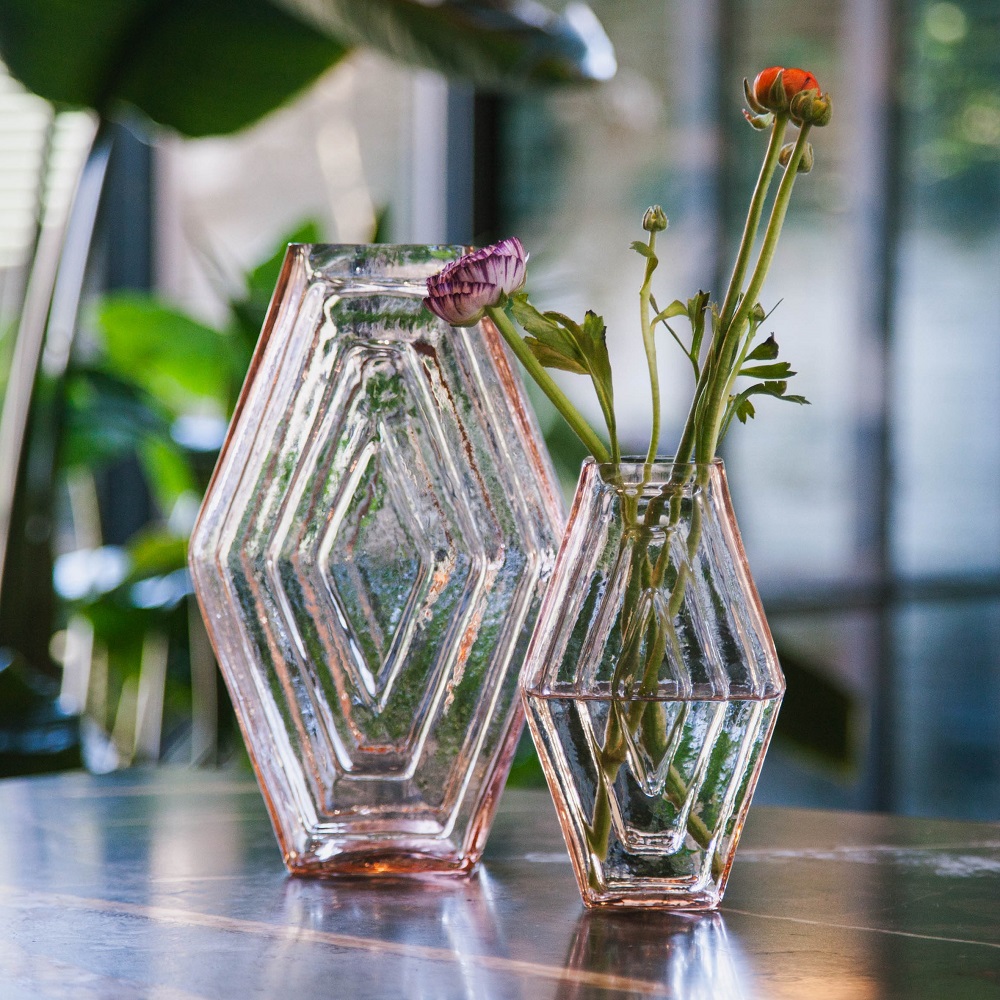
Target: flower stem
{"points": [[649, 343], [715, 406], [753, 220], [533, 366], [631, 714], [774, 224], [710, 370]]}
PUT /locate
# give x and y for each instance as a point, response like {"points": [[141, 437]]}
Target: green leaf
{"points": [[776, 389], [206, 67], [768, 389], [557, 332], [594, 340], [550, 357], [200, 66], [560, 342], [696, 314], [676, 308], [765, 351], [154, 553], [595, 345], [741, 408], [107, 418], [166, 352], [491, 42], [262, 279], [595, 332], [168, 472], [641, 248], [780, 370], [744, 410], [562, 321]]}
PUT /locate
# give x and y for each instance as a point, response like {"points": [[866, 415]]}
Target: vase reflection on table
{"points": [[687, 956]]}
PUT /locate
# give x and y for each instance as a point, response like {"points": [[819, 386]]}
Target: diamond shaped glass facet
{"points": [[369, 560]]}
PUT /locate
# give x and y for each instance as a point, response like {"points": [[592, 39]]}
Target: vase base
{"points": [[629, 899], [366, 864]]}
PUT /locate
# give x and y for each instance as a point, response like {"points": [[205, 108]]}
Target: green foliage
{"points": [[107, 418], [249, 311], [781, 370], [206, 67], [642, 249], [773, 376], [155, 366], [526, 770], [559, 342], [951, 103], [199, 66], [154, 553], [171, 356], [694, 310], [766, 350], [741, 407], [169, 470], [492, 42]]}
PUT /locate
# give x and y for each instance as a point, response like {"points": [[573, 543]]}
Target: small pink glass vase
{"points": [[370, 558], [652, 685]]}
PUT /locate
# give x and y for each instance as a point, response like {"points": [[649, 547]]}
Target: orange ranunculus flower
{"points": [[793, 81]]}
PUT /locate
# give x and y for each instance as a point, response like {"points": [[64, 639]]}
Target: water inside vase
{"points": [[657, 788]]}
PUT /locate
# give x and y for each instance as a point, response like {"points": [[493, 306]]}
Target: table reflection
{"points": [[689, 956], [442, 937]]}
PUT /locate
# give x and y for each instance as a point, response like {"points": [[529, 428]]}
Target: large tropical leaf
{"points": [[491, 42], [200, 66], [214, 66]]}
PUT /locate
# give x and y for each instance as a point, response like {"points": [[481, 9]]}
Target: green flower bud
{"points": [[805, 161], [655, 219], [810, 108]]}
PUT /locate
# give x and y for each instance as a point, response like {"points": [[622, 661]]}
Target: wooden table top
{"points": [[168, 884]]}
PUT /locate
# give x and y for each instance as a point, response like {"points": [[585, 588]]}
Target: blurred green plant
{"points": [[951, 99], [160, 386], [201, 67], [206, 67]]}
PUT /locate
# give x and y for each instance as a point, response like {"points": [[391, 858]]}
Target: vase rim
{"points": [[408, 263], [460, 248], [636, 464]]}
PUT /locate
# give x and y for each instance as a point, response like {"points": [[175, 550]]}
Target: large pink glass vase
{"points": [[370, 558]]}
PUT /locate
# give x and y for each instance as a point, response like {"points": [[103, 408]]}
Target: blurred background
{"points": [[136, 262]]}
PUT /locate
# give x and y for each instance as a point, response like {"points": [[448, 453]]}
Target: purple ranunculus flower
{"points": [[462, 290]]}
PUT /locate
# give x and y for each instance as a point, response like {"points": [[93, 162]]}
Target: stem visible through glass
{"points": [[628, 713]]}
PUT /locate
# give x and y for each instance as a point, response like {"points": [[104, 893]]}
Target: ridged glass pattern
{"points": [[652, 685], [370, 558]]}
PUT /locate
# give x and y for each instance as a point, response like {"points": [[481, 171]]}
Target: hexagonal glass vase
{"points": [[652, 685], [370, 558]]}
